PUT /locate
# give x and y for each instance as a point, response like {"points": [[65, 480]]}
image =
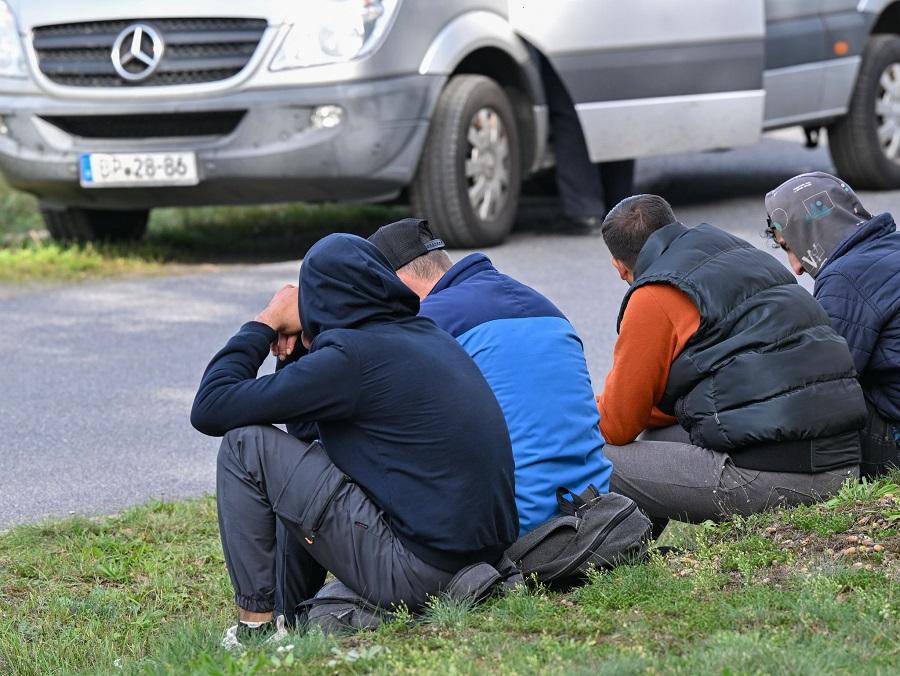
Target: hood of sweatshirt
{"points": [[346, 283]]}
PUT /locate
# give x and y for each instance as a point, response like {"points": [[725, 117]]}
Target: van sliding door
{"points": [[654, 76]]}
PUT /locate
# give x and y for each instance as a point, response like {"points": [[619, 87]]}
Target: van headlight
{"points": [[12, 60], [333, 31]]}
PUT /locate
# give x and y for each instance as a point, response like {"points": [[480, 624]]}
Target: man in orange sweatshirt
{"points": [[729, 391]]}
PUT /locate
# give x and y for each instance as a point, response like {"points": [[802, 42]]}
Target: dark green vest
{"points": [[765, 378]]}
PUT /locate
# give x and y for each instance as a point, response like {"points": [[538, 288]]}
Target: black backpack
{"points": [[594, 530], [337, 609]]}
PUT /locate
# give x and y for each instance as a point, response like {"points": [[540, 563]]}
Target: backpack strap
{"points": [[525, 544], [336, 592], [579, 503], [474, 583], [572, 510]]}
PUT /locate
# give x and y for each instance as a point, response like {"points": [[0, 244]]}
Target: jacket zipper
{"points": [[607, 529], [319, 519]]}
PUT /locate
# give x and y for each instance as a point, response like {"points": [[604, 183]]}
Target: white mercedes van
{"points": [[110, 108]]}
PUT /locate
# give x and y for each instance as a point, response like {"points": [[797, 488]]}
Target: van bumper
{"points": [[275, 153]]}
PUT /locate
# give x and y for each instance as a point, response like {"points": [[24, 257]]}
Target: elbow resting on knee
{"points": [[204, 422]]}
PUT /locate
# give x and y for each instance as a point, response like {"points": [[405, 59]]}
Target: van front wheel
{"points": [[78, 225], [467, 182]]}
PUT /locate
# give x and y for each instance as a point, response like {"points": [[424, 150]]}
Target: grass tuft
{"points": [[44, 261], [446, 613], [864, 490]]}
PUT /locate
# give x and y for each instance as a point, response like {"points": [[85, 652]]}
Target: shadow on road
{"points": [[255, 234], [691, 179], [286, 232]]}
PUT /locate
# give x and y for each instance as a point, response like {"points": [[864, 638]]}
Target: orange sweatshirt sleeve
{"points": [[658, 322]]}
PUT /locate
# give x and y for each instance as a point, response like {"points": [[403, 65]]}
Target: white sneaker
{"points": [[281, 631], [231, 639]]}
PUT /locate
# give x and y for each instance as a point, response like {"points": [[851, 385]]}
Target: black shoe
{"points": [[582, 225]]}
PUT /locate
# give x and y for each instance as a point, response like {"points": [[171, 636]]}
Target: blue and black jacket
{"points": [[534, 361]]}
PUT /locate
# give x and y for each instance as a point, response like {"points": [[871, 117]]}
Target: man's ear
{"points": [[624, 271]]}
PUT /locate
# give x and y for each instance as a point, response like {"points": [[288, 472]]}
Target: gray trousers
{"points": [[669, 478], [287, 515]]}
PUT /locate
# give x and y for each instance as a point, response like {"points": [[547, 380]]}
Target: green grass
{"points": [[147, 592], [47, 261], [183, 237], [18, 212]]}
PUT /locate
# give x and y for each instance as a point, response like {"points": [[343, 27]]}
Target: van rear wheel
{"points": [[74, 224], [468, 180], [865, 143]]}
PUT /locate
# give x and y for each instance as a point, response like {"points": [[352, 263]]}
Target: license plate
{"points": [[115, 170]]}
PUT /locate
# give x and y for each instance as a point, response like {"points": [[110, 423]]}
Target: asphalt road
{"points": [[98, 378]]}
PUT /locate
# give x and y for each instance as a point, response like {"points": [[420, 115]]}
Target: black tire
{"points": [[92, 225], [856, 151], [440, 189]]}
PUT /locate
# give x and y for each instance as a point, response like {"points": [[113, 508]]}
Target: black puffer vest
{"points": [[765, 378]]}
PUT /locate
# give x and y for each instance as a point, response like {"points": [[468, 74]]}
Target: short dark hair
{"points": [[629, 224], [428, 266], [769, 233]]}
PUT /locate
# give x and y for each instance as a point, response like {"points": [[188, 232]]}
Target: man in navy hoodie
{"points": [[855, 261], [411, 476], [528, 351]]}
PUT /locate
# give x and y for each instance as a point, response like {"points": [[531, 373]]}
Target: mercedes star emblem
{"points": [[137, 51]]}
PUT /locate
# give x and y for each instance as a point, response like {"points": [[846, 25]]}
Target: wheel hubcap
{"points": [[487, 164], [887, 112]]}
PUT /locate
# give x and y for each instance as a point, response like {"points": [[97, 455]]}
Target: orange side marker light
{"points": [[841, 48]]}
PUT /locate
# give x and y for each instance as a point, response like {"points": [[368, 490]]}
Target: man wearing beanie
{"points": [[530, 355], [855, 261]]}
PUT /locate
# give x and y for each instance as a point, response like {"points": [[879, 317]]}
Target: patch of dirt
{"points": [[776, 575], [864, 542], [870, 543], [865, 537], [13, 592]]}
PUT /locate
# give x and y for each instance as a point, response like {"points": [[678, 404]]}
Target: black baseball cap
{"points": [[402, 241]]}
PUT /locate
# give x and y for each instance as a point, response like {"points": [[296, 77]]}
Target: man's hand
{"points": [[284, 346], [282, 313]]}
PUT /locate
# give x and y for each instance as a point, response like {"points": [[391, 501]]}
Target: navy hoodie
{"points": [[399, 405]]}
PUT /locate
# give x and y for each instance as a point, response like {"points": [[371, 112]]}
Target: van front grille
{"points": [[194, 51]]}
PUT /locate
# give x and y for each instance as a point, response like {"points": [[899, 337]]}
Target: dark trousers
{"points": [[880, 447], [287, 515], [585, 189]]}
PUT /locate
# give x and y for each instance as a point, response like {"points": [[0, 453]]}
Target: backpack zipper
{"points": [[607, 529], [319, 519]]}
